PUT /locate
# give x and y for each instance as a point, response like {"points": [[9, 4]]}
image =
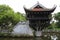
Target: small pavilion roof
{"points": [[40, 7]]}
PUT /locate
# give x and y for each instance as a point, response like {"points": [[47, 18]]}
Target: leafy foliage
{"points": [[57, 18], [8, 18], [22, 18], [52, 26]]}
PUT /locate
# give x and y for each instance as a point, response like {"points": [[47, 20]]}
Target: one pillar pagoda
{"points": [[39, 16]]}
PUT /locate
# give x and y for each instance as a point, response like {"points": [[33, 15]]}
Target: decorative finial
{"points": [[38, 2]]}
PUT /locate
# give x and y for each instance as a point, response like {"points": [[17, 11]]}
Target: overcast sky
{"points": [[17, 5]]}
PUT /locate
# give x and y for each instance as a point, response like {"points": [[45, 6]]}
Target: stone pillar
{"points": [[38, 33]]}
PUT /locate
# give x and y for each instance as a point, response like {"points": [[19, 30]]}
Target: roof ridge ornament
{"points": [[38, 2], [39, 5]]}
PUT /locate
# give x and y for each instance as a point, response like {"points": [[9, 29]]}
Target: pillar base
{"points": [[38, 33]]}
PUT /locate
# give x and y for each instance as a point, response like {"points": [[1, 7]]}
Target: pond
{"points": [[23, 39], [27, 38], [43, 37]]}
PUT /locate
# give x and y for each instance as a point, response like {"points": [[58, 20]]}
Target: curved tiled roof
{"points": [[40, 7]]}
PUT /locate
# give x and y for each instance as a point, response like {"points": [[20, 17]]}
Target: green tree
{"points": [[57, 18], [22, 17], [52, 26], [8, 18]]}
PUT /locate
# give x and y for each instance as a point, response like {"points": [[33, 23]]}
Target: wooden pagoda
{"points": [[39, 16]]}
